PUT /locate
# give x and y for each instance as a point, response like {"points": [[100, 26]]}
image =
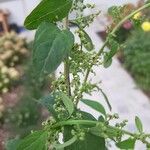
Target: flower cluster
{"points": [[145, 25], [12, 51]]}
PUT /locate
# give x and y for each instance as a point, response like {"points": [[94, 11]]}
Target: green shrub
{"points": [[23, 117], [137, 58]]}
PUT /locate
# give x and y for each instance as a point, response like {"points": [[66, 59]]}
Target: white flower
{"points": [[13, 73], [15, 58], [6, 80], [8, 44], [24, 51], [6, 55], [4, 90], [4, 70]]}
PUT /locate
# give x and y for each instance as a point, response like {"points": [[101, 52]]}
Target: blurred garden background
{"points": [[126, 82]]}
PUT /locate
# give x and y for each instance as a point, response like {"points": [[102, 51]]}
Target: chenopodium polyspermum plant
{"points": [[68, 127]]}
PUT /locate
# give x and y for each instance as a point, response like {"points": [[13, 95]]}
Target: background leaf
{"points": [[139, 124], [48, 102], [114, 46], [67, 102], [89, 44], [51, 46], [107, 61], [86, 41], [35, 141], [12, 144], [95, 105], [48, 10], [126, 144]]}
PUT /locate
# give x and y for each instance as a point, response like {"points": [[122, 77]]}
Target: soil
{"points": [[10, 100]]}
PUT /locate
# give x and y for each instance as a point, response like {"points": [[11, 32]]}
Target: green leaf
{"points": [[68, 143], [106, 99], [48, 10], [95, 105], [115, 12], [35, 141], [67, 102], [87, 116], [126, 144], [139, 124], [48, 102], [107, 61], [114, 46], [90, 142], [51, 46], [12, 144], [87, 42]]}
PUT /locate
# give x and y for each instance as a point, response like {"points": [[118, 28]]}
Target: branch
{"points": [[67, 65], [106, 42]]}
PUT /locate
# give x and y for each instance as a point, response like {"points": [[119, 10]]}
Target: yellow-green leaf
{"points": [[126, 144], [139, 124], [67, 102], [35, 141], [95, 105]]}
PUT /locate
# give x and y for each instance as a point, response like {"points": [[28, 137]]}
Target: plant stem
{"points": [[90, 123], [66, 64], [106, 42]]}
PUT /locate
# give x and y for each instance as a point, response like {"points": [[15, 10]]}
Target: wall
{"points": [[18, 9]]}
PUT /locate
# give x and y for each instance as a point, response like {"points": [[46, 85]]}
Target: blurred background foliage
{"points": [[20, 89], [135, 56]]}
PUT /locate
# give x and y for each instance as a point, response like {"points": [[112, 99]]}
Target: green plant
{"points": [[137, 57], [23, 117], [54, 43], [134, 23]]}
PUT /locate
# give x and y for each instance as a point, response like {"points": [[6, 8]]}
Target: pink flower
{"points": [[127, 25]]}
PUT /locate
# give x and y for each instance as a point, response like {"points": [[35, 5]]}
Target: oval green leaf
{"points": [[48, 102], [89, 44], [139, 124], [95, 105], [48, 10], [35, 141], [126, 144], [51, 46], [91, 142], [67, 102]]}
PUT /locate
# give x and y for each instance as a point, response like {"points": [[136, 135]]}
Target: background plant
{"points": [[137, 58], [13, 50], [54, 43], [134, 23]]}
